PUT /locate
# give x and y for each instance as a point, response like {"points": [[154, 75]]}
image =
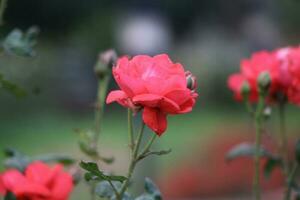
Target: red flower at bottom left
{"points": [[38, 182]]}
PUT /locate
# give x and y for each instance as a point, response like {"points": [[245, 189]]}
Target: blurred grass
{"points": [[53, 132]]}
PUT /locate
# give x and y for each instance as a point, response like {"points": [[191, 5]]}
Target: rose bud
{"points": [[264, 81], [191, 81], [245, 90], [105, 62]]}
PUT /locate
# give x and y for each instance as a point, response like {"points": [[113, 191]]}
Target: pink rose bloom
{"points": [[39, 182], [156, 85]]}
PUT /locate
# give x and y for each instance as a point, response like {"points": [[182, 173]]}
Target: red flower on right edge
{"points": [[283, 66]]}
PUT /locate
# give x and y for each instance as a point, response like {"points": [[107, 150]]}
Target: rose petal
{"points": [[149, 100], [235, 83], [155, 120], [117, 95], [62, 186], [41, 173], [179, 96], [168, 106], [16, 182]]}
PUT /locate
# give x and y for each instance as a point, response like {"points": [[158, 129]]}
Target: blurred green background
{"points": [[208, 37]]}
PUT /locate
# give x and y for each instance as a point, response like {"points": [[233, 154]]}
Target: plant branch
{"points": [[101, 94], [130, 130], [259, 129], [133, 161], [114, 189]]}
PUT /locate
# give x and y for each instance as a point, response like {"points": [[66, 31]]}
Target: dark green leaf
{"points": [[246, 149], [11, 87], [298, 151], [270, 166], [95, 174], [158, 153], [10, 196], [20, 43]]}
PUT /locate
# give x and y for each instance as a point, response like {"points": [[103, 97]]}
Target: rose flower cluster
{"points": [[283, 66], [38, 182], [156, 85]]}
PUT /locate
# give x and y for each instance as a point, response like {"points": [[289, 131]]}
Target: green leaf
{"points": [[10, 196], [15, 159], [87, 150], [66, 160], [247, 149], [270, 166], [95, 174], [11, 87], [20, 43], [297, 151], [158, 153], [86, 146]]}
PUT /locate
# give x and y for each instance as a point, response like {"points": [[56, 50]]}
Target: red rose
{"points": [[155, 84], [39, 182], [293, 64], [251, 69]]}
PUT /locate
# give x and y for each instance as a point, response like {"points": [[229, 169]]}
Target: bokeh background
{"points": [[209, 37]]}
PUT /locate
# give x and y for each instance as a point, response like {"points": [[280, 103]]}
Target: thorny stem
{"points": [[3, 5], [259, 129], [133, 161]]}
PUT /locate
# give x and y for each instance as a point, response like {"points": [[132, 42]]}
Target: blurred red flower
{"points": [[39, 182], [251, 69], [290, 63], [155, 84], [283, 66]]}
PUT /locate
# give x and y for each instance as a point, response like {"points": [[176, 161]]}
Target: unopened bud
{"points": [[264, 81], [105, 62], [191, 81], [245, 89]]}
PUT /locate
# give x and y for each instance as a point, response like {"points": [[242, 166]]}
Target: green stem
{"points": [[290, 180], [259, 130], [130, 130], [101, 95], [3, 5], [114, 189], [133, 161], [283, 147]]}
